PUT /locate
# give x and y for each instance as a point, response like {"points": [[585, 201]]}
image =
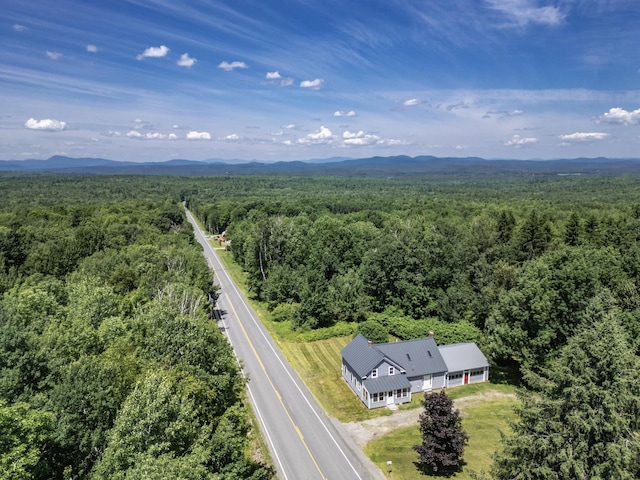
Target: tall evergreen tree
{"points": [[443, 439], [582, 420]]}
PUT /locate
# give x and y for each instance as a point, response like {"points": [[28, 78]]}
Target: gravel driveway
{"points": [[365, 431]]}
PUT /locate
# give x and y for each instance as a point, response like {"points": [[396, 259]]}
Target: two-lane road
{"points": [[305, 442]]}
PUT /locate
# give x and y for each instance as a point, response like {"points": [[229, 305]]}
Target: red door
{"points": [[466, 378]]}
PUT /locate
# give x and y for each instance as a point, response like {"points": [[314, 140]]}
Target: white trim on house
{"points": [[411, 367]]}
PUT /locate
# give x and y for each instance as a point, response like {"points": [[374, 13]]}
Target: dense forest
{"points": [[111, 367], [110, 364], [514, 264]]}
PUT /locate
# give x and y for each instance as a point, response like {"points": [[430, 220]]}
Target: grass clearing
{"points": [[483, 423], [319, 365]]}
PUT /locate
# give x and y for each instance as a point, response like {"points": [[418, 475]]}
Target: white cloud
{"points": [[226, 66], [19, 28], [289, 127], [92, 48], [313, 84], [522, 12], [411, 102], [583, 137], [154, 52], [45, 124], [322, 136], [360, 138], [340, 113], [151, 135], [518, 141], [193, 135], [54, 55], [621, 116], [275, 77], [186, 61], [233, 136]]}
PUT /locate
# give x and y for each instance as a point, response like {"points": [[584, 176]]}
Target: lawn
{"points": [[482, 421], [319, 365]]}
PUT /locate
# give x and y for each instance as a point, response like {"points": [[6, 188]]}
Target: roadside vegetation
{"points": [[110, 365]]}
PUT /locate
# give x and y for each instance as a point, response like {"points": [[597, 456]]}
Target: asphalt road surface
{"points": [[305, 443]]}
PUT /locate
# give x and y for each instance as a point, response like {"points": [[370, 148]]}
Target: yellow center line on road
{"points": [[244, 332]]}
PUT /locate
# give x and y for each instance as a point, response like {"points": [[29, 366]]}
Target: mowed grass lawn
{"points": [[483, 422], [319, 365]]}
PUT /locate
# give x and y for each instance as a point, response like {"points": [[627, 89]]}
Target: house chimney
{"points": [[431, 334], [369, 343]]}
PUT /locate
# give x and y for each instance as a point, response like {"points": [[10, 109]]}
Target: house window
{"points": [[378, 397], [374, 373], [453, 376], [392, 370], [476, 372], [404, 393]]}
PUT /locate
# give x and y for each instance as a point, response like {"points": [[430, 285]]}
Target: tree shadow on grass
{"points": [[441, 472]]}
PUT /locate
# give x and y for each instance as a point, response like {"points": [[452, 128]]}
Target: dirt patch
{"points": [[365, 431]]}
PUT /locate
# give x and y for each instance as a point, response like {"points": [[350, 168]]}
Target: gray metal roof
{"points": [[417, 357], [463, 356], [386, 383], [361, 357]]}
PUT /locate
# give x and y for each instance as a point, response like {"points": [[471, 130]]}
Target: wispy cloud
{"points": [[523, 12], [53, 55], [620, 116], [186, 61], [45, 124], [19, 28], [228, 67], [341, 113], [411, 102], [503, 113], [92, 48], [151, 135], [579, 137], [312, 84], [275, 77], [154, 52], [194, 135], [518, 141], [232, 137]]}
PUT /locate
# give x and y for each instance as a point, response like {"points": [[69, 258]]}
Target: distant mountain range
{"points": [[373, 166]]}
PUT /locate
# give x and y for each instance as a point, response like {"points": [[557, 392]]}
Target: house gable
{"points": [[417, 357], [361, 356]]}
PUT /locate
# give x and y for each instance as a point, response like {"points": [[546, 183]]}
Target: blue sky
{"points": [[149, 80]]}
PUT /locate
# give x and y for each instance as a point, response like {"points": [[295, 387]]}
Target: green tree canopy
{"points": [[581, 419]]}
